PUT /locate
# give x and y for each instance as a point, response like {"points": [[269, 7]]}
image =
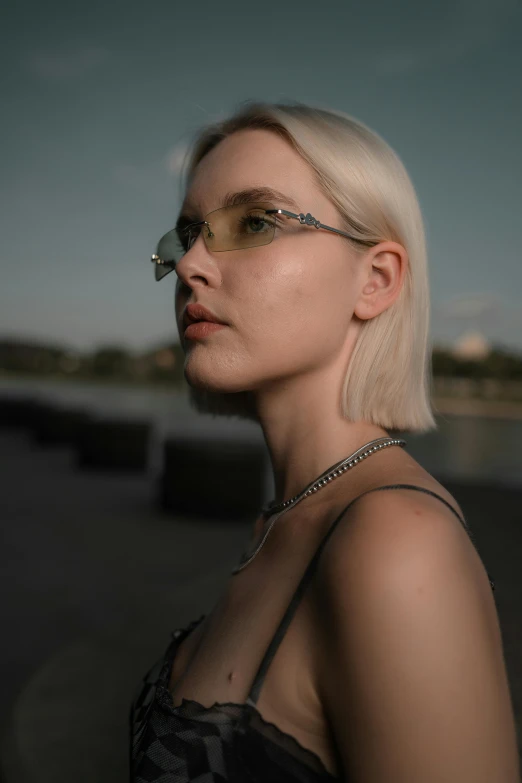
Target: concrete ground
{"points": [[94, 579]]}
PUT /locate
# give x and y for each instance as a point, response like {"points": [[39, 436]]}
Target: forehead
{"points": [[249, 159]]}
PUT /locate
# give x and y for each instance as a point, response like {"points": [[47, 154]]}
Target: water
{"points": [[471, 448], [463, 447]]}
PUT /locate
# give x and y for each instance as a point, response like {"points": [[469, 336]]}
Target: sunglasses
{"points": [[236, 227]]}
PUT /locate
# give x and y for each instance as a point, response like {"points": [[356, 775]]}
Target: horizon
{"points": [[98, 129], [56, 344]]}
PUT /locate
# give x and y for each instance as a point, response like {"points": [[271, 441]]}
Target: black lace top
{"points": [[224, 743]]}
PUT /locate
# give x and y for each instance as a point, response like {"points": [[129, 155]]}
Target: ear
{"points": [[383, 268]]}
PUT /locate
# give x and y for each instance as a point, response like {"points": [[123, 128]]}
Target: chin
{"points": [[217, 372], [204, 378]]}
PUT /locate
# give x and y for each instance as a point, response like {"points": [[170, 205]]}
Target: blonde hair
{"points": [[388, 379]]}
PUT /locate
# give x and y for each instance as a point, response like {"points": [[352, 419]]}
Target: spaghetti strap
{"points": [[306, 579]]}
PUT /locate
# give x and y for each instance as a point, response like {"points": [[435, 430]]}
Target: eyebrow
{"points": [[251, 195], [233, 198]]}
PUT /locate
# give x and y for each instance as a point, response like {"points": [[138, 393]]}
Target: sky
{"points": [[100, 100]]}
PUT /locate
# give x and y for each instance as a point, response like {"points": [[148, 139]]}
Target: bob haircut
{"points": [[388, 378]]}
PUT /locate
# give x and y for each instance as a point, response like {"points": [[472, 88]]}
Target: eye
{"points": [[256, 223]]}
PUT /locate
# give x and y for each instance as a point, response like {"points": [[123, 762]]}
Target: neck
{"points": [[306, 437]]}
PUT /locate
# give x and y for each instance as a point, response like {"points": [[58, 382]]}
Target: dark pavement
{"points": [[94, 578]]}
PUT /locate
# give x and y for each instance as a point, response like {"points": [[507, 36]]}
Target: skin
{"points": [[295, 308], [399, 623]]}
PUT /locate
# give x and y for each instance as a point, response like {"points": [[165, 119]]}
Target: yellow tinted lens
{"points": [[240, 226]]}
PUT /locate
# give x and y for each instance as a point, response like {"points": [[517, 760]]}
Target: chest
{"points": [[219, 661]]}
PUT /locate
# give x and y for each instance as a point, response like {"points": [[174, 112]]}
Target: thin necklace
{"points": [[330, 474]]}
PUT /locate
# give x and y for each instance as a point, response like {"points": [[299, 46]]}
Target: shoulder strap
{"points": [[306, 579]]}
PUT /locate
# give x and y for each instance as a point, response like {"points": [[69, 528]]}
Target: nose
{"points": [[198, 267]]}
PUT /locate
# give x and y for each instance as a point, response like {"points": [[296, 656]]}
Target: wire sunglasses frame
{"points": [[163, 267]]}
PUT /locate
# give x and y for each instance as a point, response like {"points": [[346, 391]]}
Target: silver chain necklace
{"points": [[321, 481]]}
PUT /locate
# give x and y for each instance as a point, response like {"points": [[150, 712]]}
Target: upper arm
{"points": [[412, 674]]}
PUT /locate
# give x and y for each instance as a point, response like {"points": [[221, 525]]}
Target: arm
{"points": [[412, 673]]}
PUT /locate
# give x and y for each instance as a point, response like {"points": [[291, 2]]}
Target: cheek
{"points": [[306, 290], [282, 292]]}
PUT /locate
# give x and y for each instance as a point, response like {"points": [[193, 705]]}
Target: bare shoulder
{"points": [[394, 527], [411, 674], [401, 540]]}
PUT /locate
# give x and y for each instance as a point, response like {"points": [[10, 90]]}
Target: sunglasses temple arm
{"points": [[344, 234], [318, 224]]}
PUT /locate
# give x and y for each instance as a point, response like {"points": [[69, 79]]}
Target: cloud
{"points": [[175, 158], [66, 65], [144, 176]]}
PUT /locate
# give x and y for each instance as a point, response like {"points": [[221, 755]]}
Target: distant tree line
{"points": [[499, 364], [165, 363], [110, 362]]}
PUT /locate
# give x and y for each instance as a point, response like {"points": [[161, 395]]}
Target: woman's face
{"points": [[287, 305]]}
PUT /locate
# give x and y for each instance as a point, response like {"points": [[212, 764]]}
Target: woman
{"points": [[358, 638]]}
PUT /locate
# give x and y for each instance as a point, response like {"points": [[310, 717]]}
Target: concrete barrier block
{"points": [[20, 411], [61, 426], [114, 444], [220, 479]]}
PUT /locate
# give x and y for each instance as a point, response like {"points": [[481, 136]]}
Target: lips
{"points": [[201, 329], [198, 312]]}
